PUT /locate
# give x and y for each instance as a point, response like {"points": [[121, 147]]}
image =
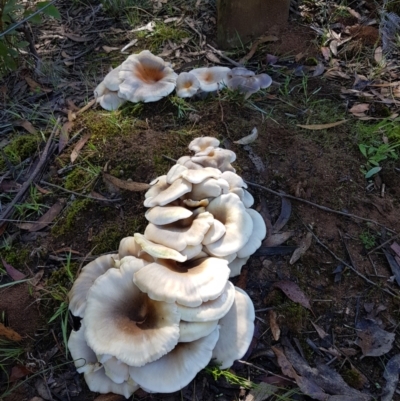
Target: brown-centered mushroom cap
{"points": [[178, 368], [124, 322], [190, 283]]}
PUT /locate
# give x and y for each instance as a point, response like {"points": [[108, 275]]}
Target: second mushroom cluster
{"points": [[163, 306]]}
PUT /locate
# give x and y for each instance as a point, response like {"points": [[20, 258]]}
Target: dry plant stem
{"points": [[43, 159], [78, 194], [235, 63], [383, 244], [265, 371], [352, 268], [326, 209]]}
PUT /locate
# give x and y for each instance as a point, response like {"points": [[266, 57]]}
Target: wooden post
{"points": [[240, 21]]}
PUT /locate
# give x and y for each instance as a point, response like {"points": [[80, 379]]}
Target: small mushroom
{"points": [[106, 93], [217, 158], [187, 85], [145, 78], [178, 368], [190, 283], [203, 143], [236, 332], [211, 78], [124, 322], [89, 274]]}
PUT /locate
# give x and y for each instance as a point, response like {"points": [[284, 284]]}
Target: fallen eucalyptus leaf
{"points": [[277, 239], [321, 126], [275, 330], [302, 249], [12, 271], [79, 145], [286, 211], [373, 340], [293, 292], [129, 185], [249, 138], [391, 374]]}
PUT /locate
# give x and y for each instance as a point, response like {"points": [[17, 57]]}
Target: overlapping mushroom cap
{"points": [[187, 84], [246, 81], [106, 93], [211, 78]]}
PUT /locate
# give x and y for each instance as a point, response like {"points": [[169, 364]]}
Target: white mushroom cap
{"points": [[190, 283], [192, 331], [209, 188], [212, 78], [192, 252], [203, 143], [258, 234], [194, 203], [210, 310], [86, 362], [245, 196], [133, 262], [108, 100], [198, 176], [234, 180], [236, 266], [245, 85], [158, 251], [128, 247], [112, 79], [264, 80], [178, 188], [187, 85], [175, 172], [124, 322], [217, 158], [146, 78], [116, 370], [216, 231], [161, 215], [89, 274], [230, 211], [157, 185], [99, 382], [180, 234], [176, 369], [187, 162], [236, 333], [241, 71], [84, 358]]}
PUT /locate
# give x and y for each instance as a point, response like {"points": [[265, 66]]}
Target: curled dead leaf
{"points": [[293, 292], [275, 330], [301, 250], [322, 126], [249, 138]]}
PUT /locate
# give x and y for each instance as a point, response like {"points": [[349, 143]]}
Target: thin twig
{"points": [[326, 209], [233, 62], [43, 159], [264, 370], [348, 265], [383, 244], [78, 194]]}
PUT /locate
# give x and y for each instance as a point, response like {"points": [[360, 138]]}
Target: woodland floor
{"points": [[321, 166]]}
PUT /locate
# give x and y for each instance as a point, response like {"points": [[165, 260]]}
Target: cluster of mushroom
{"points": [[163, 306], [144, 77]]}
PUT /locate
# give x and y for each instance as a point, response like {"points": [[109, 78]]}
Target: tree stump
{"points": [[240, 21]]}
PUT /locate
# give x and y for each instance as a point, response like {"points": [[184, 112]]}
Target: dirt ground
{"points": [[318, 168]]}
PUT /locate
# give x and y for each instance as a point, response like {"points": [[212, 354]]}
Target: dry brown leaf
{"points": [[391, 374], [213, 58], [71, 105], [80, 144], [284, 364], [322, 126], [64, 135], [333, 47], [128, 185], [13, 272], [301, 250], [25, 124], [42, 190], [9, 333], [326, 52], [109, 49], [277, 239], [77, 38], [373, 340], [46, 219], [322, 334], [35, 86], [275, 330], [71, 115], [319, 70], [293, 292], [359, 108], [335, 73]]}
